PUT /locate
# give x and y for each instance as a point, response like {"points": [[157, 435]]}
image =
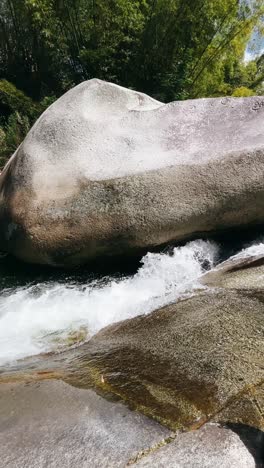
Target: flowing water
{"points": [[48, 312]]}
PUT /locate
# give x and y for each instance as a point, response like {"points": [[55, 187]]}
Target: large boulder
{"points": [[198, 360], [107, 171]]}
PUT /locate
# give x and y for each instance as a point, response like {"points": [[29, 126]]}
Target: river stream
{"points": [[47, 310]]}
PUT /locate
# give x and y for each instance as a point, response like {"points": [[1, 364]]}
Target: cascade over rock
{"points": [[197, 360], [109, 171]]}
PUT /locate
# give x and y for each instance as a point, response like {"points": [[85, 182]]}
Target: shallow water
{"points": [[45, 310]]}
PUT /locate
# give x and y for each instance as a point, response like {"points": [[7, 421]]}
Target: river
{"points": [[45, 310]]}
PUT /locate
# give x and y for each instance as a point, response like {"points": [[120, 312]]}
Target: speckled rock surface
{"points": [[237, 273], [196, 360], [209, 447], [53, 425], [109, 171]]}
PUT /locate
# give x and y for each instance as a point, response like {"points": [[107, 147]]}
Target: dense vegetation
{"points": [[170, 49]]}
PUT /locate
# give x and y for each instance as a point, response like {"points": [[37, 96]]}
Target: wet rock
{"points": [[197, 360], [239, 272], [51, 424], [209, 447], [108, 171]]}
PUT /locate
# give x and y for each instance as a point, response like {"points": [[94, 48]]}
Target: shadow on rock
{"points": [[253, 439]]}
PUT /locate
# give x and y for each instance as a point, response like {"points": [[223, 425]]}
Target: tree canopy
{"points": [[170, 49]]}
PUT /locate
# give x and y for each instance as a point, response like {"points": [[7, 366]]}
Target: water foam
{"points": [[253, 250], [49, 316]]}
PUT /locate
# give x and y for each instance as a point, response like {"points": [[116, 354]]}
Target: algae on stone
{"points": [[186, 363]]}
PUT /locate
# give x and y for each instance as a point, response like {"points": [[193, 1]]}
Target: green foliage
{"points": [[22, 112], [3, 148], [170, 49], [15, 100], [242, 91], [16, 129], [12, 135], [167, 48], [188, 47]]}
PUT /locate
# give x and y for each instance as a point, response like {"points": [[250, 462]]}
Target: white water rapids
{"points": [[49, 316]]}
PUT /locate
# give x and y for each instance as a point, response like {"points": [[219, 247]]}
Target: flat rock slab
{"points": [[209, 447], [198, 360], [53, 425]]}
